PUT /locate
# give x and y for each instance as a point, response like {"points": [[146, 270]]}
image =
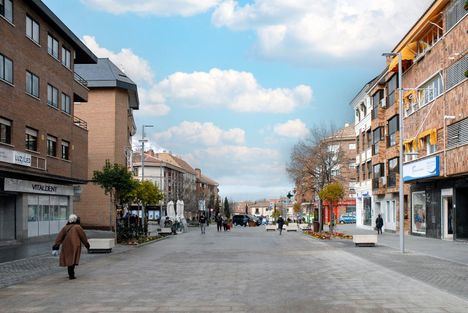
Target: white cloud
{"points": [[292, 129], [336, 29], [238, 91], [196, 133], [139, 70], [154, 7]]}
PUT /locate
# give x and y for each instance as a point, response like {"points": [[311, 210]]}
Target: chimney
{"points": [[150, 152], [198, 172]]}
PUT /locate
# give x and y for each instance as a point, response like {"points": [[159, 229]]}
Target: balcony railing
{"points": [[391, 180], [80, 123], [80, 80]]}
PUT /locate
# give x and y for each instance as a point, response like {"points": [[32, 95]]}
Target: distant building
{"points": [[43, 146], [206, 190], [109, 113]]}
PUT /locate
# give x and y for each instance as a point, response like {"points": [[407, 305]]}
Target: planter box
{"points": [[291, 227], [304, 227], [165, 231], [365, 240], [270, 227], [101, 245]]}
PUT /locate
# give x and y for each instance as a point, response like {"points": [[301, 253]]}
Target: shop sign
{"points": [[27, 186], [15, 157], [421, 169]]}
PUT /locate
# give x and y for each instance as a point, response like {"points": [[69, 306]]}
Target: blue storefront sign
{"points": [[421, 169]]}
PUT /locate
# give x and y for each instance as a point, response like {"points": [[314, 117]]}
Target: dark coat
{"points": [[280, 222], [379, 222], [70, 237]]}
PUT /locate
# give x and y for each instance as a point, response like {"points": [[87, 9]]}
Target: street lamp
{"points": [[400, 163], [143, 140]]}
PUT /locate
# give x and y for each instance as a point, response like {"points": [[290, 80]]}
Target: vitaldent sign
{"points": [[27, 186], [15, 157], [421, 169]]}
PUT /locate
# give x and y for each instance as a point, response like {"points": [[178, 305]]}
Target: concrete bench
{"points": [[291, 227], [101, 245], [270, 227], [165, 231], [304, 227], [365, 240]]}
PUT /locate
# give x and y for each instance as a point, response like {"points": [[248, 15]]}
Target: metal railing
{"points": [[80, 80], [80, 123]]}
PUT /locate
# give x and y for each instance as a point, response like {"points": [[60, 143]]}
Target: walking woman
{"points": [[70, 237]]}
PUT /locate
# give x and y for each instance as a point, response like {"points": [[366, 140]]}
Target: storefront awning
{"points": [[408, 53]]}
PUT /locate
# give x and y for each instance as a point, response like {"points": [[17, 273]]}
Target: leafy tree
{"points": [[276, 213], [332, 193], [217, 206], [297, 208], [147, 193], [227, 210]]}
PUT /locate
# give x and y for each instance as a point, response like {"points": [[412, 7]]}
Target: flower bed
{"points": [[141, 240], [327, 235]]}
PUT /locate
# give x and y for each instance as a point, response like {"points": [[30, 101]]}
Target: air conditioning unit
{"points": [[383, 181], [383, 102]]}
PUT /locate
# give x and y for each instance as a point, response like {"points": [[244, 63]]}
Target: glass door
{"points": [[448, 218]]}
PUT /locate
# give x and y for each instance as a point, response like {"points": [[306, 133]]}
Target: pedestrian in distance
{"points": [[219, 222], [280, 223], [70, 238], [379, 224], [202, 222], [225, 223]]}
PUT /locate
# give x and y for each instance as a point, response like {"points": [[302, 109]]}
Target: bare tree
{"points": [[317, 161]]}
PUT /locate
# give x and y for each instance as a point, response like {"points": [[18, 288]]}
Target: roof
{"points": [[364, 89], [83, 53], [187, 167], [106, 74], [206, 180], [155, 160]]}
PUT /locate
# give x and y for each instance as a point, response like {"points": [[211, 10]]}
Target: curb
{"points": [[151, 242]]}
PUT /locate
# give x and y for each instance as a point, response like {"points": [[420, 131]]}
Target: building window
{"points": [[418, 208], [369, 170], [32, 29], [66, 57], [52, 96], [391, 87], [31, 139], [369, 139], [52, 146], [6, 69], [358, 142], [52, 46], [32, 84], [65, 150], [5, 131], [430, 149], [66, 104], [358, 173], [376, 100], [392, 171], [392, 129], [430, 90], [456, 72], [6, 10], [352, 164], [379, 170], [377, 135], [352, 146], [453, 13], [457, 134]]}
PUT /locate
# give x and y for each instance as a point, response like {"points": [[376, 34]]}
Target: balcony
{"points": [[80, 89], [80, 123]]}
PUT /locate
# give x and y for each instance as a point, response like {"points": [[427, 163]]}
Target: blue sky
{"points": [[232, 85]]}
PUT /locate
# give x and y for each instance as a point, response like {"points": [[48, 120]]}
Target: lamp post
{"points": [[143, 140], [400, 145]]}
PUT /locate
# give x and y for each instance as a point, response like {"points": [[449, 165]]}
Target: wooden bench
{"points": [[101, 245], [365, 240], [291, 227], [270, 227]]}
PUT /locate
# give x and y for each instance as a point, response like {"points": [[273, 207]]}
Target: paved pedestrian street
{"points": [[248, 270]]}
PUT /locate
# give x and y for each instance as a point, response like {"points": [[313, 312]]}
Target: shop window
{"points": [[392, 129], [418, 208], [5, 131], [51, 146], [367, 211], [31, 139]]}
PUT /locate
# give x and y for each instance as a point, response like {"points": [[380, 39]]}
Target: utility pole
{"points": [[143, 140]]}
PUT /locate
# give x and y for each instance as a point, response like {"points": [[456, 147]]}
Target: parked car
{"points": [[244, 219], [348, 218]]}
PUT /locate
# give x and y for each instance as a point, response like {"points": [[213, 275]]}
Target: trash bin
{"points": [[316, 227]]}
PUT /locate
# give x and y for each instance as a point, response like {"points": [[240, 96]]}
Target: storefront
{"points": [[439, 206], [33, 208]]}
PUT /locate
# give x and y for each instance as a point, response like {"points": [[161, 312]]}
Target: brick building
{"points": [[206, 190], [436, 120], [43, 146], [109, 114]]}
